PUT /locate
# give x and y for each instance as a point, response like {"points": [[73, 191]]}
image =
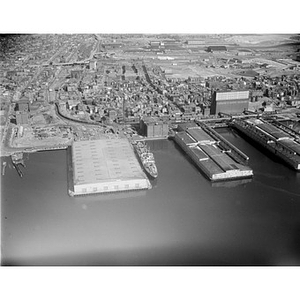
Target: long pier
{"points": [[215, 157], [277, 140], [287, 129], [231, 150], [104, 166]]}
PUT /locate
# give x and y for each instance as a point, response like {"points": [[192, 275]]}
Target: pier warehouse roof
{"points": [[106, 166], [209, 155]]}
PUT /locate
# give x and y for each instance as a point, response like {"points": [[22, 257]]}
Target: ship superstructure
{"points": [[146, 158]]}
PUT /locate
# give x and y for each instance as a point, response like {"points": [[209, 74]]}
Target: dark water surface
{"points": [[183, 220]]}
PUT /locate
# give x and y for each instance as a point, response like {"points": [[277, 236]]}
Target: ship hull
{"points": [[149, 173]]}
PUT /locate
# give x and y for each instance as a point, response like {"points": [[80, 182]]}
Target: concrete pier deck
{"points": [[280, 141], [100, 166], [210, 156]]}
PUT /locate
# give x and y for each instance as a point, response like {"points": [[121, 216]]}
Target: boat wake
{"points": [[279, 189]]}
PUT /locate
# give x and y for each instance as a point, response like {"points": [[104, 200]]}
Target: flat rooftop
{"points": [[105, 166], [199, 135], [211, 159]]}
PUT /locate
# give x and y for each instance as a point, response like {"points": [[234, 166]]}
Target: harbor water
{"points": [[183, 220]]}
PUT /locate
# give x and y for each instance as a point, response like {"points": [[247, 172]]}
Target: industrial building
{"points": [[112, 114], [22, 118], [76, 74], [244, 52], [153, 127], [248, 73], [195, 42], [108, 165], [154, 43], [216, 49], [112, 45], [229, 102], [23, 105], [52, 95], [93, 64]]}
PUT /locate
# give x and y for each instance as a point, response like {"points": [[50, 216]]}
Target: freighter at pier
{"points": [[146, 158]]}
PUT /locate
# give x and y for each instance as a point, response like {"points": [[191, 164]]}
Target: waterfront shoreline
{"points": [[184, 209]]}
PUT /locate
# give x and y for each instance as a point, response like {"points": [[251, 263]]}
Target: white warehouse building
{"points": [[108, 165]]}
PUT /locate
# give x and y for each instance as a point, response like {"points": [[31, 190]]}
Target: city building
{"points": [[195, 79], [205, 110], [93, 65], [154, 43], [244, 52], [72, 103], [153, 127], [76, 74], [295, 102], [52, 95], [229, 102], [195, 42], [112, 114], [22, 118], [112, 45], [217, 49], [2, 117], [249, 73], [23, 104]]}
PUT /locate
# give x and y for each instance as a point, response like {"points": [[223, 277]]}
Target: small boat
{"points": [[17, 159], [20, 173], [3, 167]]}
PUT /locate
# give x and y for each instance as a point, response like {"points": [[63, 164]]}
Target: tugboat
{"points": [[146, 158]]}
